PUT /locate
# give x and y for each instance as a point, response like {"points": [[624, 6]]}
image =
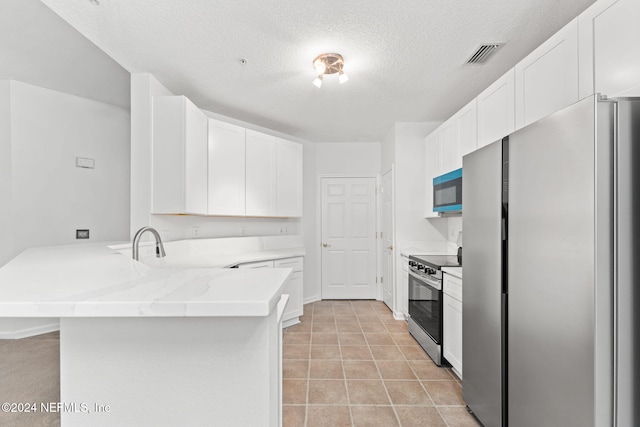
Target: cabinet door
{"points": [[179, 157], [195, 195], [467, 124], [431, 165], [449, 147], [452, 332], [547, 79], [496, 116], [260, 174], [294, 287], [404, 302], [452, 285], [226, 169], [609, 60], [288, 178]]}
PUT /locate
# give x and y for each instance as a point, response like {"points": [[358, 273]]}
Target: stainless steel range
{"points": [[425, 301]]}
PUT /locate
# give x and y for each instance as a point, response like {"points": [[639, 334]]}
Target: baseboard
{"points": [[290, 322], [311, 299], [399, 316], [29, 332]]}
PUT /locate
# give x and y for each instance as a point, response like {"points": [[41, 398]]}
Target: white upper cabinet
{"points": [[609, 34], [431, 170], [226, 169], [467, 124], [261, 174], [547, 79], [288, 178], [496, 110], [179, 183], [207, 167], [449, 147]]}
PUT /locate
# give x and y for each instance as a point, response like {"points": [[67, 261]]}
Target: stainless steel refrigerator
{"points": [[550, 297]]}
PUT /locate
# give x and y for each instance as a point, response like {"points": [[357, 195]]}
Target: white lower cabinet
{"points": [[404, 300], [293, 287], [452, 322]]}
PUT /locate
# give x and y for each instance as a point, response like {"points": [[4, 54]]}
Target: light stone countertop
{"points": [[93, 280]]}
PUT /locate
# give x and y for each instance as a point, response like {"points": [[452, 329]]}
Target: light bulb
{"points": [[317, 82], [342, 77], [320, 68]]}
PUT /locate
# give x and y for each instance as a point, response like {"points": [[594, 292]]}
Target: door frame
{"points": [[392, 171], [318, 239]]}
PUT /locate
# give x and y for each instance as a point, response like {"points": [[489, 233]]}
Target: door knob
{"points": [[326, 245], [390, 247]]}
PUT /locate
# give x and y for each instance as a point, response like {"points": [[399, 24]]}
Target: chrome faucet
{"points": [[136, 242]]}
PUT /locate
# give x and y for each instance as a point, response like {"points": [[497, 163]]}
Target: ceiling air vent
{"points": [[483, 53]]}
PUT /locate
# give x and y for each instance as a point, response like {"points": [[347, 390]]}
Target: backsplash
{"points": [[454, 228]]}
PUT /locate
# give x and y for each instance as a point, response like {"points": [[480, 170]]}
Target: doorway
{"points": [[348, 230]]}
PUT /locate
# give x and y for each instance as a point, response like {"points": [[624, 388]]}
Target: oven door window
{"points": [[425, 306]]}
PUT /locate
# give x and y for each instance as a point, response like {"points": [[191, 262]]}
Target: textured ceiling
{"points": [[38, 47], [404, 58]]}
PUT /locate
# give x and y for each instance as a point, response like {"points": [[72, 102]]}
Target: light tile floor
{"points": [[350, 363]]}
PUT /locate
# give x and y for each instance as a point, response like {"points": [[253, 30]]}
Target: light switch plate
{"points": [[82, 162]]}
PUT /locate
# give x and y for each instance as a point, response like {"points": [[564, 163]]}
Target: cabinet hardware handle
{"points": [[326, 245]]}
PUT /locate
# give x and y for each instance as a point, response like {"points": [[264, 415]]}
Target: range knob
{"points": [[421, 267], [412, 263], [429, 271]]}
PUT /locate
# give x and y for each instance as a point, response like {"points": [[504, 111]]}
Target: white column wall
{"points": [[45, 196]]}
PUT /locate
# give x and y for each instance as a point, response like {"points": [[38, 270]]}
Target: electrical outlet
{"points": [[195, 231], [82, 234], [243, 230]]}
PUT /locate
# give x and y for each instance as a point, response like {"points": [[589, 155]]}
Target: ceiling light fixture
{"points": [[329, 63]]}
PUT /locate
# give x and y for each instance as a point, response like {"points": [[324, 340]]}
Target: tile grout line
{"points": [[344, 372], [375, 362]]}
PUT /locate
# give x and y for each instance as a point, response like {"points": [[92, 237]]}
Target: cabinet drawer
{"points": [[259, 264], [452, 286], [295, 263]]}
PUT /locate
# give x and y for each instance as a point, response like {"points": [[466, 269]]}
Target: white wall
{"points": [[45, 196], [388, 151], [410, 184], [328, 158], [348, 158], [51, 196], [6, 223], [403, 148]]}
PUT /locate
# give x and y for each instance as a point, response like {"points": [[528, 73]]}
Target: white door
{"points": [[348, 238], [386, 202]]}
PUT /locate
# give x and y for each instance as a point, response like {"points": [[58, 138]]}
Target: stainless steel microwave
{"points": [[447, 192]]}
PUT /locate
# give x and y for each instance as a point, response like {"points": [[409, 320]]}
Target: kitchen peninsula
{"points": [[154, 346]]}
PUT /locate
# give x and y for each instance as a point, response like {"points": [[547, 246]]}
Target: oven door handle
{"points": [[430, 282]]}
